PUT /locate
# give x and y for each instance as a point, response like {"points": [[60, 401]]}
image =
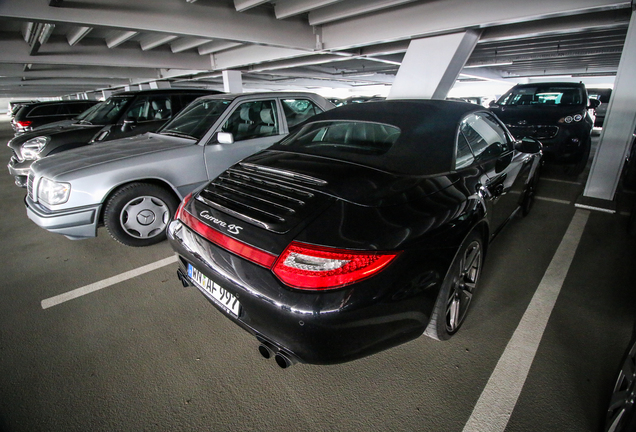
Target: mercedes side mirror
{"points": [[225, 138], [128, 125]]}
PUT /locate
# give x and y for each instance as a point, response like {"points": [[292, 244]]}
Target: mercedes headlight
{"points": [[32, 148], [52, 192]]}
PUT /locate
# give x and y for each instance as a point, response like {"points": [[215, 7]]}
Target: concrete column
{"points": [[431, 65], [618, 125], [232, 81]]}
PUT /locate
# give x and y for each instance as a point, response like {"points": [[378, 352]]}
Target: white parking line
{"points": [[561, 181], [105, 283], [499, 397], [554, 200]]}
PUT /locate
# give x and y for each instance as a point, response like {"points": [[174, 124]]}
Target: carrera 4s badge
{"points": [[231, 228]]}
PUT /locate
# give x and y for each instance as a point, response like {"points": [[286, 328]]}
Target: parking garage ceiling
{"points": [[64, 47]]}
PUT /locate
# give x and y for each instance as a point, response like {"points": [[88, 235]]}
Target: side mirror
{"points": [[594, 103], [128, 125], [528, 145], [225, 138], [493, 104]]}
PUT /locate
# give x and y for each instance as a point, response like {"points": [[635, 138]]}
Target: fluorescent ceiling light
{"points": [[488, 65]]}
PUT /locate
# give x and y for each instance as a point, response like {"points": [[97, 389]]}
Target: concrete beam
{"points": [[119, 37], [558, 26], [202, 19], [444, 16], [243, 5], [287, 8], [350, 9], [95, 53], [238, 57], [216, 46], [17, 70], [151, 41], [76, 34], [186, 43]]}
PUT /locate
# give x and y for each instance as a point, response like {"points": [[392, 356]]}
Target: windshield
{"points": [[194, 121], [342, 139], [108, 111], [543, 95]]}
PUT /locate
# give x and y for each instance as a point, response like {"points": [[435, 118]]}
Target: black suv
{"points": [[121, 115], [554, 113], [32, 115]]}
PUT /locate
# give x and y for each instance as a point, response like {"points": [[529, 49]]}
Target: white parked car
{"points": [[134, 185]]}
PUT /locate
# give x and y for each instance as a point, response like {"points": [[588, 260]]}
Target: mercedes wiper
{"points": [[178, 134]]}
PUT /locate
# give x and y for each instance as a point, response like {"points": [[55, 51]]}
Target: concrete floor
{"points": [[146, 354]]}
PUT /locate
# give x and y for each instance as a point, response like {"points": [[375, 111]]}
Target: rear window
{"points": [[342, 138], [543, 95], [47, 110]]}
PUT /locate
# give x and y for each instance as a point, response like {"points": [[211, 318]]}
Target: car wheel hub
{"points": [[144, 217]]}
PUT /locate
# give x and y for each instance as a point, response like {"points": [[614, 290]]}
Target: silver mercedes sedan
{"points": [[134, 185]]}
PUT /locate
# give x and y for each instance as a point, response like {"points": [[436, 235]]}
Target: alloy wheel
{"points": [[621, 407], [463, 285]]}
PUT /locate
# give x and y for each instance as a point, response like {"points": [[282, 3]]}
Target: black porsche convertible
{"points": [[364, 228]]}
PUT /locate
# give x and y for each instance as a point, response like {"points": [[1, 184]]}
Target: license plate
{"points": [[220, 295]]}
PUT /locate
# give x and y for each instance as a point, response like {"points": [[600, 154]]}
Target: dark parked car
{"points": [[14, 106], [602, 95], [30, 116], [364, 228], [554, 113], [122, 115], [133, 185]]}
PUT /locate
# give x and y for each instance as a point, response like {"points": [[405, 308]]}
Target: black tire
{"points": [[631, 228], [457, 289], [629, 176], [138, 214], [578, 167], [620, 415]]}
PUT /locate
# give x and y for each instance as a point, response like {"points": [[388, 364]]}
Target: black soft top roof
{"points": [[428, 128]]}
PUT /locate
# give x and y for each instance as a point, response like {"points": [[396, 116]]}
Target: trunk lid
{"points": [[282, 192]]}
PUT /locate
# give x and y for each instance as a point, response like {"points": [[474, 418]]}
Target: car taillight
{"points": [[180, 210], [310, 267], [228, 243], [24, 123]]}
